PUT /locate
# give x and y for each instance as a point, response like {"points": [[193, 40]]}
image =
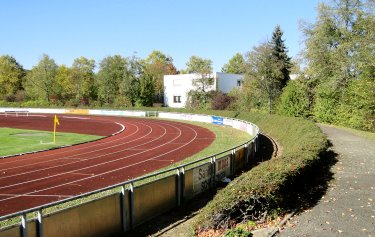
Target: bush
{"points": [[357, 109], [262, 192], [294, 101], [35, 103], [237, 232], [221, 101], [10, 98], [199, 100], [326, 103]]}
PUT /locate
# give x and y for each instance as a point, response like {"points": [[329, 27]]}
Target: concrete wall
{"points": [[226, 82]]}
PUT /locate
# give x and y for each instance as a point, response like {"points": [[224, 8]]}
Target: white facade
{"points": [[176, 87]]}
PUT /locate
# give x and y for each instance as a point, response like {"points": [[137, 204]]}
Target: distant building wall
{"points": [[226, 82], [177, 87]]}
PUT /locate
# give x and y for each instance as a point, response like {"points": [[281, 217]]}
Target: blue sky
{"points": [[213, 29]]}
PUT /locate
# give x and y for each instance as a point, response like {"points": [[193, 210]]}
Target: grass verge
{"points": [[268, 189], [368, 135]]}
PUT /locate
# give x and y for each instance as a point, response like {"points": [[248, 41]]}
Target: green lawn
{"points": [[15, 141], [226, 138]]}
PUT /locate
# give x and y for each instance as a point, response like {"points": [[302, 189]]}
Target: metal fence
{"points": [[124, 206]]}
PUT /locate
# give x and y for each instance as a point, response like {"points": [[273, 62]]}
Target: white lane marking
{"points": [[81, 160], [33, 195], [120, 131], [73, 117], [30, 115], [118, 169], [59, 152]]}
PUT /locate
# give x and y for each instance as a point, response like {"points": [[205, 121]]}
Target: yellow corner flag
{"points": [[55, 121]]}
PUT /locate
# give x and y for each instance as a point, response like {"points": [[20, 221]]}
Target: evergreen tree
{"points": [[280, 52]]}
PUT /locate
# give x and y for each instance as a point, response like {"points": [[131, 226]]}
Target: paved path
{"points": [[348, 207]]}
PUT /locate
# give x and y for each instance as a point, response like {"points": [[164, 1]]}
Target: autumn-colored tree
{"points": [[156, 65]]}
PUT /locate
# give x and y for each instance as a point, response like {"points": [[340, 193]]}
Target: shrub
{"points": [[237, 232], [221, 101], [263, 191], [294, 101]]}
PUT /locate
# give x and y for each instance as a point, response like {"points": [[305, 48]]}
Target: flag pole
{"points": [[54, 131], [55, 121]]}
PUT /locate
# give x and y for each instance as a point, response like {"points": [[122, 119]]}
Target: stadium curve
{"points": [[145, 145]]}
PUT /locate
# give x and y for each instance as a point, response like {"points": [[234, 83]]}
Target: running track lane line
{"points": [[86, 159], [75, 155], [111, 171], [72, 149], [79, 161]]}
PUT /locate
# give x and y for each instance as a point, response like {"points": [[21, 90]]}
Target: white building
{"points": [[176, 87]]}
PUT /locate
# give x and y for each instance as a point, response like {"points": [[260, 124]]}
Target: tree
{"points": [[146, 90], [262, 77], [112, 70], [12, 75], [41, 80], [203, 69], [157, 65], [235, 65], [339, 51], [83, 79], [130, 85], [280, 52], [294, 101], [357, 109], [64, 84]]}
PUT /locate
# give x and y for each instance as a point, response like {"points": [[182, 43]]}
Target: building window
{"points": [[176, 99], [239, 82]]}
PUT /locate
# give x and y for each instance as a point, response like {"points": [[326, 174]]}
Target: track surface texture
{"points": [[144, 146]]}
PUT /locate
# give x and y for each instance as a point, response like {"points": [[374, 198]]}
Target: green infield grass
{"points": [[16, 141]]}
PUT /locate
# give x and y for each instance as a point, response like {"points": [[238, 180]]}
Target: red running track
{"points": [[145, 145]]}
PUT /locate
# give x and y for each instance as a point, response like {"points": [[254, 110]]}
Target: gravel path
{"points": [[348, 207]]}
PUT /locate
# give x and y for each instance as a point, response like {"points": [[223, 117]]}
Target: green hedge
{"points": [[268, 188]]}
